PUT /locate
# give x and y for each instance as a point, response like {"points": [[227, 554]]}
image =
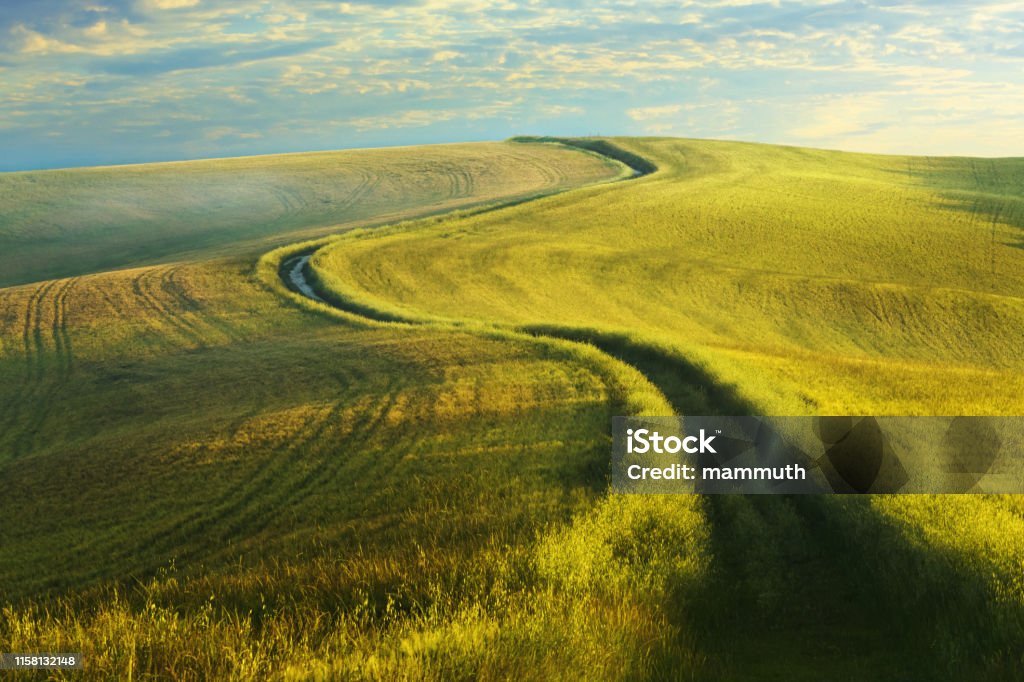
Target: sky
{"points": [[89, 82]]}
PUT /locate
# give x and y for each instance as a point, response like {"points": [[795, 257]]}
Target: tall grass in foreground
{"points": [[594, 600]]}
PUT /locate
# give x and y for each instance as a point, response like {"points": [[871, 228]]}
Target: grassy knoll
{"points": [[328, 469], [207, 480], [208, 476], [779, 281], [820, 282], [71, 222]]}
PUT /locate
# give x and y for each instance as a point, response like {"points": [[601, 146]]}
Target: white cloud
{"points": [[221, 132], [33, 42], [413, 118], [648, 113], [556, 110], [417, 118], [445, 56], [168, 4], [96, 30], [845, 115]]}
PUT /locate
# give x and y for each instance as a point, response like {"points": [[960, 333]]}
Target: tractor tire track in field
{"points": [[453, 179], [252, 505], [145, 291], [45, 325], [246, 514], [172, 286], [556, 177], [61, 336], [48, 390], [181, 532], [161, 316], [462, 183], [32, 348], [368, 181], [290, 200], [326, 450], [203, 519]]}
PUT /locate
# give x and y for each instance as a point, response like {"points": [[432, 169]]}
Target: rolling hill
{"points": [[208, 475], [746, 278], [71, 222]]}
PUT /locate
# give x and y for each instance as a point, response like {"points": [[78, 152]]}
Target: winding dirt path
{"points": [[294, 271]]}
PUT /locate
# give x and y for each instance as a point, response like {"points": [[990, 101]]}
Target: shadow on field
{"points": [[816, 587], [987, 212], [987, 189], [638, 164], [811, 588], [689, 388]]}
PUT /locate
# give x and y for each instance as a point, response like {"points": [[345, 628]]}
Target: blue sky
{"points": [[117, 81]]}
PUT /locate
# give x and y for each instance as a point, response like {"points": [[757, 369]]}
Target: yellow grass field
{"points": [[70, 222], [209, 476]]}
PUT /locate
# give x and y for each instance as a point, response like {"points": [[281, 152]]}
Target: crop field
{"points": [[70, 222], [207, 475], [816, 282]]}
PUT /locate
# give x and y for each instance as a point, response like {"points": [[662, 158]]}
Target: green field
{"points": [[208, 475], [814, 282], [71, 222]]}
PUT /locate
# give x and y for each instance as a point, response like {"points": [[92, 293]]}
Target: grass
{"points": [[208, 476], [755, 279], [198, 462], [315, 495], [820, 282], [61, 223]]}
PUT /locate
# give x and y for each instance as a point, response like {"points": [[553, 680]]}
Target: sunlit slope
{"points": [[207, 479], [815, 281], [748, 278], [70, 222], [204, 480], [194, 463], [184, 413]]}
